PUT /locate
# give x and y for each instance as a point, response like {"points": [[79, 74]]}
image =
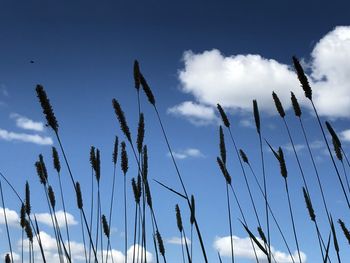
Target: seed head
{"points": [[137, 74], [124, 158], [178, 218], [147, 90], [295, 104], [309, 205], [140, 133], [302, 78], [105, 226], [278, 105], [27, 200], [262, 234], [224, 170], [135, 190], [145, 163], [193, 210], [115, 151], [47, 108], [222, 146], [148, 195], [92, 157], [333, 134], [121, 118], [223, 116], [28, 230], [243, 156], [98, 166], [7, 258], [335, 240], [56, 160], [282, 162], [337, 150], [22, 221], [139, 186], [256, 116], [79, 195], [52, 197], [345, 230], [160, 244]]}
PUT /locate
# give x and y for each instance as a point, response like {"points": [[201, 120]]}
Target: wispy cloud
{"points": [[187, 153], [178, 241], [25, 137], [298, 147], [244, 249], [26, 123]]}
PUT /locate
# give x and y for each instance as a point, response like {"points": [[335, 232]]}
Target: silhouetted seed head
{"points": [[224, 170], [335, 240], [28, 230], [295, 104], [92, 157], [56, 160], [345, 230], [282, 163], [148, 195], [222, 145], [121, 118], [262, 235], [124, 158], [140, 133], [193, 210], [137, 74], [302, 78], [337, 150], [243, 156], [309, 205], [115, 151], [28, 207], [147, 90], [160, 244], [98, 166], [79, 196], [22, 220], [139, 185], [256, 116], [145, 163], [135, 190], [278, 105], [178, 218], [223, 116], [105, 226], [333, 133], [52, 197], [47, 108], [39, 171], [7, 258]]}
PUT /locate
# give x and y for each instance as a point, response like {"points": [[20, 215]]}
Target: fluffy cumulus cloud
{"points": [[11, 216], [234, 81], [244, 249], [24, 137], [26, 123], [187, 153], [45, 218], [345, 135]]}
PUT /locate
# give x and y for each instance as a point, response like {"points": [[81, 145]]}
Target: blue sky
{"points": [[194, 55]]}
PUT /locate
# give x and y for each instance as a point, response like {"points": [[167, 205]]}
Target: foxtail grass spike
{"points": [[335, 240], [145, 163], [135, 190], [224, 171], [160, 244], [56, 160], [256, 116], [79, 196], [333, 133], [28, 207], [28, 230], [243, 156], [7, 258], [52, 197], [98, 166], [282, 162], [147, 90], [121, 118], [302, 78], [92, 157], [296, 105], [47, 108], [22, 218], [193, 210], [222, 146], [148, 195], [309, 205], [278, 105], [223, 116], [124, 158], [139, 186], [178, 218], [262, 234], [337, 150], [105, 226], [115, 151], [140, 133], [345, 230], [137, 74], [39, 171]]}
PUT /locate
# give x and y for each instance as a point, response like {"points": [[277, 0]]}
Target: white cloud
{"points": [[234, 81], [196, 113], [345, 135], [298, 147], [11, 216], [187, 153], [45, 218], [244, 249], [24, 137], [248, 123], [26, 123], [177, 241]]}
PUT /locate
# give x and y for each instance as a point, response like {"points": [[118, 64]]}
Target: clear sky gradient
{"points": [[193, 54]]}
